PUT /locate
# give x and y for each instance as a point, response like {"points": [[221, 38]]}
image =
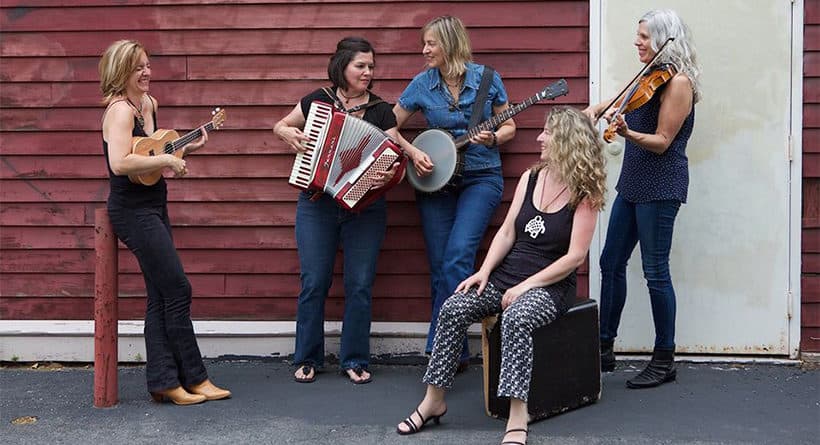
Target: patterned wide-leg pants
{"points": [[533, 309]]}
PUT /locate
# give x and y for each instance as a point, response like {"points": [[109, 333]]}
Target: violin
{"points": [[640, 94], [641, 91]]}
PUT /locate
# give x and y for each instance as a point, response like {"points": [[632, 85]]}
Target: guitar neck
{"points": [[493, 122], [177, 144]]}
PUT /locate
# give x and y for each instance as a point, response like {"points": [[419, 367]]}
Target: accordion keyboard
{"points": [[316, 125]]}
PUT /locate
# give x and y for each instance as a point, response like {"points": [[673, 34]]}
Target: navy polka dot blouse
{"points": [[647, 176]]}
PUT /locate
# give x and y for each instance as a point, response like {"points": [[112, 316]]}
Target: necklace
{"points": [[457, 83], [543, 189], [140, 118], [347, 98]]}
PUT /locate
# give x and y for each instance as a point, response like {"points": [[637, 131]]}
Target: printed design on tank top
{"points": [[535, 226]]}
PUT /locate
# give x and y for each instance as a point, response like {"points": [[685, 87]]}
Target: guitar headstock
{"points": [[557, 89], [218, 117]]}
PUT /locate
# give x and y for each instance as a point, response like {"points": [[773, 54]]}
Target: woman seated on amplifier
{"points": [[322, 225], [529, 270]]}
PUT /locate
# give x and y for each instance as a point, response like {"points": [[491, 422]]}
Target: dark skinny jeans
{"points": [[173, 356]]}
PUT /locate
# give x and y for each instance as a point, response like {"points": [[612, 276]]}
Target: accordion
{"points": [[342, 154]]}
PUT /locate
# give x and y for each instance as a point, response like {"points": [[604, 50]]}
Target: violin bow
{"points": [[640, 73]]}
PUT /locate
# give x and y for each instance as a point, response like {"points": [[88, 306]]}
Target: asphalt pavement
{"points": [[711, 403]]}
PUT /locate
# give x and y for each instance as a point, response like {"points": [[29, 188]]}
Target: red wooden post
{"points": [[106, 312]]}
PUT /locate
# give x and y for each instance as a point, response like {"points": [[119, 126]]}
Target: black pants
{"points": [[173, 356]]}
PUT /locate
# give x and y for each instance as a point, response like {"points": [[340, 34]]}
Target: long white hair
{"points": [[665, 23]]}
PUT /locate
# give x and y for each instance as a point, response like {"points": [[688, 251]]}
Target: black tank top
{"points": [[125, 193], [540, 239]]}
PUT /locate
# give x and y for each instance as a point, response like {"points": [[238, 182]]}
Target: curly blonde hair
{"points": [[116, 66], [576, 156]]}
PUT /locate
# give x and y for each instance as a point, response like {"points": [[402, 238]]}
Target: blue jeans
{"points": [[454, 222], [650, 224], [322, 227], [172, 353]]}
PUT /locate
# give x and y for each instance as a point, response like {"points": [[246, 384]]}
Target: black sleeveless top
{"points": [[540, 239], [125, 193]]}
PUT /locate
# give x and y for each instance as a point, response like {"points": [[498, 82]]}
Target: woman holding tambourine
{"points": [[454, 216]]}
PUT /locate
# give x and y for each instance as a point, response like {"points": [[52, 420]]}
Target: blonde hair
{"points": [[116, 66], [452, 36], [663, 24], [576, 155]]}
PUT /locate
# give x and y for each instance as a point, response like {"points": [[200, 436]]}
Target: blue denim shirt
{"points": [[428, 92]]}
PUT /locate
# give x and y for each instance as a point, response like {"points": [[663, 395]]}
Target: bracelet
{"points": [[495, 140]]}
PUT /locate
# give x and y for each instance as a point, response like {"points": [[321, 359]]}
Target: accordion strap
{"points": [[338, 104]]}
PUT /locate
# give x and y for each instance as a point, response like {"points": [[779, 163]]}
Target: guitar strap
{"points": [[481, 96]]}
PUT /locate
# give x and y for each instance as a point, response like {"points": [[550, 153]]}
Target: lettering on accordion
{"points": [[342, 155]]}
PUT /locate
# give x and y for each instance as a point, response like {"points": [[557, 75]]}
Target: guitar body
{"points": [[156, 144], [441, 148]]}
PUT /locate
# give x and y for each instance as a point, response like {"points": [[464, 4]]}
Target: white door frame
{"points": [[795, 169]]}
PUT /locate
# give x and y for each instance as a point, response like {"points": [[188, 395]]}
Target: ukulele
{"points": [[168, 141]]}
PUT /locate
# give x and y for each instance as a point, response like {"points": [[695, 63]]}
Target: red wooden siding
{"points": [[234, 214], [810, 273]]}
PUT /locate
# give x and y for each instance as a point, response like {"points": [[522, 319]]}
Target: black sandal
{"points": [[514, 442], [306, 371], [358, 370], [412, 425]]}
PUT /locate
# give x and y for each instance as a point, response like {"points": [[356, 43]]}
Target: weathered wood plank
{"points": [[263, 41], [79, 69], [201, 261], [75, 3], [293, 16], [204, 167], [811, 64], [211, 285], [222, 214], [223, 142], [405, 238], [811, 165], [569, 63], [810, 314], [810, 263], [233, 93], [811, 241], [232, 308], [810, 339], [185, 118], [810, 288]]}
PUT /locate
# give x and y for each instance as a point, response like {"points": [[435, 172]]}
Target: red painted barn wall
{"points": [[810, 276], [234, 213]]}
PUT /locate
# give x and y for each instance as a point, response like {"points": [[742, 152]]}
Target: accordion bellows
{"points": [[342, 153]]}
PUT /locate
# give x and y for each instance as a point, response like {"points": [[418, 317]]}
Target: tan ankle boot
{"points": [[210, 391], [178, 396]]}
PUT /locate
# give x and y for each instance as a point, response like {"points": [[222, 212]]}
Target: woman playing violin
{"points": [[653, 184]]}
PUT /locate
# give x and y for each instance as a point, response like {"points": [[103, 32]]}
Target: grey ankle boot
{"points": [[661, 369]]}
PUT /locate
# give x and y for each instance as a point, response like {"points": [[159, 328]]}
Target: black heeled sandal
{"points": [[514, 442], [412, 425]]}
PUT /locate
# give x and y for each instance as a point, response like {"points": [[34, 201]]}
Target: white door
{"points": [[730, 255]]}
